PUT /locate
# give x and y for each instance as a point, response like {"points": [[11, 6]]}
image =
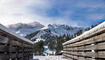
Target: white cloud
{"points": [[25, 11], [15, 11], [90, 4]]}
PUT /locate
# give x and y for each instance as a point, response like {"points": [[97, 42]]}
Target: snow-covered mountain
{"points": [[23, 29], [36, 31], [51, 31]]}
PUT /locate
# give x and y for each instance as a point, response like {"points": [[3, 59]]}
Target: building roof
{"points": [[87, 33], [3, 28]]}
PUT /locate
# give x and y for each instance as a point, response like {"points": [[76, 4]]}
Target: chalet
{"points": [[88, 46], [13, 46]]}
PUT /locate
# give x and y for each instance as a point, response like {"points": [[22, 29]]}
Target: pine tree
{"points": [[38, 48], [51, 45], [59, 46]]}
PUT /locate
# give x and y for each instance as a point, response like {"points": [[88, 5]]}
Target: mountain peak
{"points": [[34, 24], [53, 30], [25, 28]]}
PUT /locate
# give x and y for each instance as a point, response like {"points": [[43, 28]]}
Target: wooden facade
{"points": [[13, 47], [91, 47]]}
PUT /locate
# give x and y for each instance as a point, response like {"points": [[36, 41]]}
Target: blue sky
{"points": [[71, 12]]}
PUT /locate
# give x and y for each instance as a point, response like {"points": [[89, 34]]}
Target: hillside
{"points": [[23, 29], [47, 39], [52, 31]]}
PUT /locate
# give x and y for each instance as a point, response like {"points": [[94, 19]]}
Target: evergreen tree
{"points": [[38, 48], [51, 44], [88, 28], [94, 25], [59, 46]]}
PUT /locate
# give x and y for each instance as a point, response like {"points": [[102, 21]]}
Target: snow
{"points": [[25, 28], [62, 29], [48, 51], [46, 27], [43, 32], [14, 34], [39, 39], [54, 30], [88, 33], [48, 58]]}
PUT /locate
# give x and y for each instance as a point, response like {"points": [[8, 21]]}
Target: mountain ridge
{"points": [[52, 35], [53, 30], [25, 28], [36, 31]]}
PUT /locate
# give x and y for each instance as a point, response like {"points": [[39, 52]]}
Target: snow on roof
{"points": [[87, 33], [14, 34]]}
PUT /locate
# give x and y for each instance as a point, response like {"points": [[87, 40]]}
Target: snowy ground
{"points": [[47, 51], [48, 58]]}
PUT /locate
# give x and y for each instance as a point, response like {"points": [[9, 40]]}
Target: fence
{"points": [[91, 47]]}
